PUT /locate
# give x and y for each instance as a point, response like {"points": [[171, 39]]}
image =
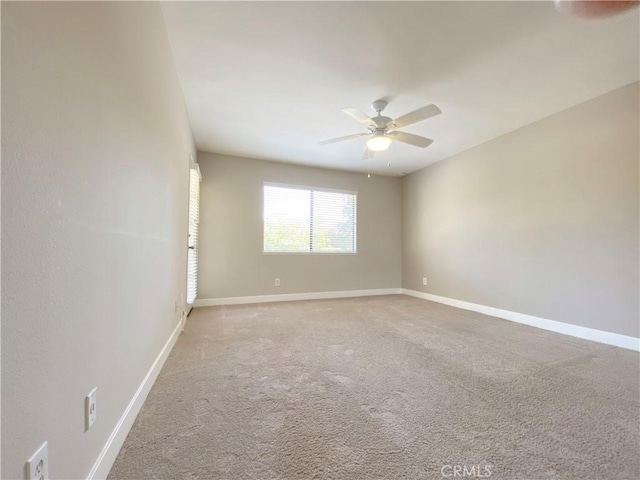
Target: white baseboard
{"points": [[111, 449], [288, 297], [622, 341]]}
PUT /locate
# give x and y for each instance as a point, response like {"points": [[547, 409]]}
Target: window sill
{"points": [[310, 253]]}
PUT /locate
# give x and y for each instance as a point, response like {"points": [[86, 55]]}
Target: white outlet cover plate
{"points": [[38, 464], [90, 409]]}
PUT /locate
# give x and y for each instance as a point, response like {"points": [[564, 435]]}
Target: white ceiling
{"points": [[268, 80]]}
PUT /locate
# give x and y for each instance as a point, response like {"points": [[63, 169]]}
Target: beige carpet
{"points": [[383, 388]]}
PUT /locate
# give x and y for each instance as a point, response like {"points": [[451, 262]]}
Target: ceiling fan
{"points": [[382, 130]]}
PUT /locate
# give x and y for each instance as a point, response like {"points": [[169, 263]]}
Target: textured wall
{"points": [[542, 221], [95, 151], [231, 260]]}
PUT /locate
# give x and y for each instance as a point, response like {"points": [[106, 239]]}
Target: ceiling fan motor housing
{"points": [[382, 123]]}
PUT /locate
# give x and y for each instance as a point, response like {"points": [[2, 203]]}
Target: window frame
{"points": [[193, 229], [314, 189]]}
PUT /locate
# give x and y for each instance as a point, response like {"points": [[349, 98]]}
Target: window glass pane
{"points": [[287, 219]]}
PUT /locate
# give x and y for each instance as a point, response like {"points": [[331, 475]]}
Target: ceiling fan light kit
{"points": [[382, 130], [378, 143]]}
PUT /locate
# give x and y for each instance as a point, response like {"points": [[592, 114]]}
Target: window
{"points": [[194, 220], [308, 220]]}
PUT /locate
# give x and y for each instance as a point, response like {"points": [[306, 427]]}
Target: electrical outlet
{"points": [[90, 409], [38, 464], [424, 280], [277, 282]]}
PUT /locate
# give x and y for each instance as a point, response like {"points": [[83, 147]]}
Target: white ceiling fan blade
{"points": [[411, 139], [359, 116], [368, 154], [341, 139], [417, 116]]}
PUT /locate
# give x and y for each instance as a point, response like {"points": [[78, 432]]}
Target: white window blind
{"points": [[194, 220], [308, 220]]}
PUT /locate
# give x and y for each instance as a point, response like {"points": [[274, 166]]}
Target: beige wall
{"points": [[231, 260], [95, 149], [542, 221]]}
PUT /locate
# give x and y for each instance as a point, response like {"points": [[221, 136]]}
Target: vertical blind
{"points": [[194, 220], [308, 220]]}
